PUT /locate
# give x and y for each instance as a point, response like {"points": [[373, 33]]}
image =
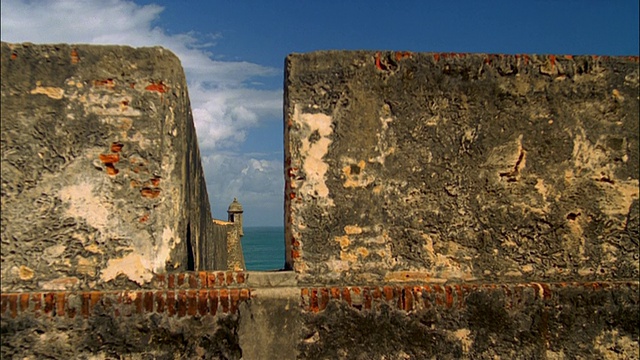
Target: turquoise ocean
{"points": [[263, 248]]}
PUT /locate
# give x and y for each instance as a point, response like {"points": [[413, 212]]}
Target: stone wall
{"points": [[175, 315], [228, 233], [460, 167], [437, 206], [101, 173]]}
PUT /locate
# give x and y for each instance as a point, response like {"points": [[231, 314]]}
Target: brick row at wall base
{"points": [[198, 280], [411, 298], [171, 303], [203, 301]]}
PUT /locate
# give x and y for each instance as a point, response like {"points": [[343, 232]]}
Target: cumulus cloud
{"points": [[260, 183], [224, 104]]}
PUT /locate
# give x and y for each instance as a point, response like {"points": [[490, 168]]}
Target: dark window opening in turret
{"points": [[190, 258]]}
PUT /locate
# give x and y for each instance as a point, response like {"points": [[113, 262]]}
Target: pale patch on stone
{"points": [[352, 230], [312, 153], [619, 197], [64, 283], [443, 259], [25, 273], [93, 248], [110, 105], [141, 140], [362, 251], [613, 345], [99, 356], [84, 204], [544, 191], [52, 253], [568, 176], [343, 240], [54, 336], [463, 335], [593, 159], [384, 145], [355, 178], [163, 250], [337, 266], [552, 355], [586, 271], [120, 122], [508, 159], [348, 256], [609, 253], [86, 266], [132, 266], [512, 273], [587, 155], [50, 91]]}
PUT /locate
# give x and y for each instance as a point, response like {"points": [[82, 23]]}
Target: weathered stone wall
{"points": [[227, 234], [440, 167], [184, 315], [101, 173], [438, 206], [269, 316]]}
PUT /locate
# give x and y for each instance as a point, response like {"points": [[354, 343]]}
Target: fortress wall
{"points": [[269, 316], [227, 240], [101, 173], [457, 167], [438, 206], [182, 315]]}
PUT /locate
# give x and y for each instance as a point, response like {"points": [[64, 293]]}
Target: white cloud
{"points": [[224, 106], [223, 116]]}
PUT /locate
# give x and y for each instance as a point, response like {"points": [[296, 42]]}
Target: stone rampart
{"points": [[461, 167], [437, 206], [101, 173]]}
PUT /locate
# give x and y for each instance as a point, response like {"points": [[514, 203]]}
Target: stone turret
{"points": [[235, 215]]}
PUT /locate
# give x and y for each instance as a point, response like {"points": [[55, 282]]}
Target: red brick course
{"points": [[198, 280], [412, 298], [181, 303]]}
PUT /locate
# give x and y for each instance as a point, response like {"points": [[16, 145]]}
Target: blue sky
{"points": [[233, 54]]}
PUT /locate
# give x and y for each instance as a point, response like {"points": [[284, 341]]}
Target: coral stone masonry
{"points": [[461, 167], [101, 174], [437, 206]]}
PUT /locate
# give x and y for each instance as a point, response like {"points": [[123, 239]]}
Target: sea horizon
{"points": [[263, 247]]}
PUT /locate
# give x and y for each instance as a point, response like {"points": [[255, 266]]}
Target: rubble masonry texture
{"points": [[101, 174], [465, 167]]}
